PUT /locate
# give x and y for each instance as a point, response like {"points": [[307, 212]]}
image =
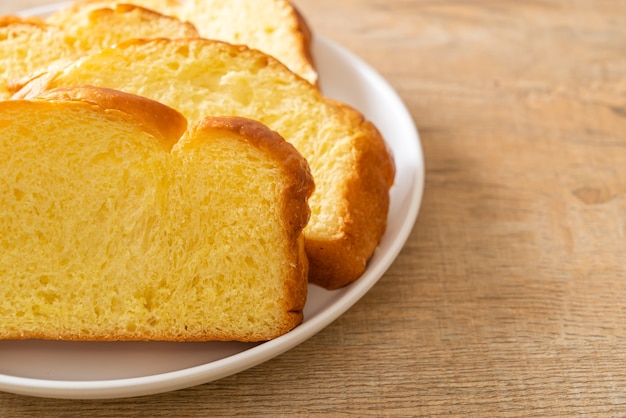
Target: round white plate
{"points": [[84, 370]]}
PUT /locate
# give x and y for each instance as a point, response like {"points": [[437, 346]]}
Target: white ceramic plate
{"points": [[115, 370]]}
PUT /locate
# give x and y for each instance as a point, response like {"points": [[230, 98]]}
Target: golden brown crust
{"points": [[79, 5], [306, 36], [163, 122], [122, 8], [368, 192], [30, 21]]}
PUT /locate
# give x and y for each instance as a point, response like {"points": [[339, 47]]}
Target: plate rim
{"points": [[235, 363]]}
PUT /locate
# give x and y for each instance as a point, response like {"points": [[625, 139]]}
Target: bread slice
{"points": [[30, 45], [113, 227], [349, 160], [27, 45], [272, 26]]}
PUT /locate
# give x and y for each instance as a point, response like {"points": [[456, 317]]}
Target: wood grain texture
{"points": [[509, 298]]}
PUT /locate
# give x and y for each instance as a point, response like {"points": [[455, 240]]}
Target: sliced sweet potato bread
{"points": [[30, 46], [352, 167], [272, 26], [113, 227]]}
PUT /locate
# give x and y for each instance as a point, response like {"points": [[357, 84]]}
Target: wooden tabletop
{"points": [[509, 298]]}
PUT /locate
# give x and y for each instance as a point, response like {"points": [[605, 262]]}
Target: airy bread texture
{"points": [[30, 46], [352, 167], [112, 227], [272, 26], [26, 46]]}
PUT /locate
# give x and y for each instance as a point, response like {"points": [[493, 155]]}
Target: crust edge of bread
{"points": [[369, 189]]}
